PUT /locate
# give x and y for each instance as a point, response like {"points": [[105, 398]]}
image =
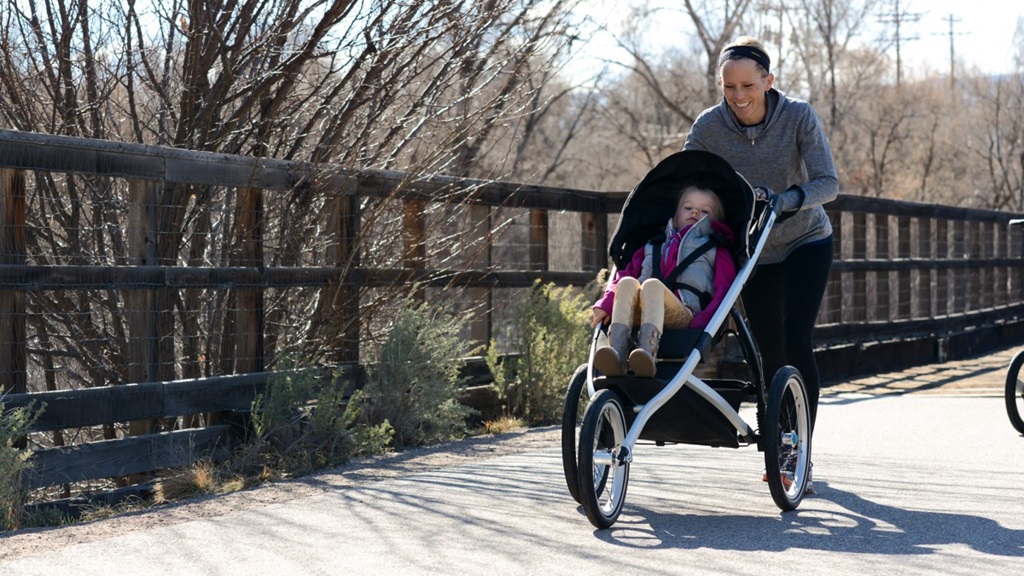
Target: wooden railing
{"points": [[911, 283], [916, 283]]}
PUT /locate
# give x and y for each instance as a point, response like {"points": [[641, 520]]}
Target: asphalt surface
{"points": [[911, 479]]}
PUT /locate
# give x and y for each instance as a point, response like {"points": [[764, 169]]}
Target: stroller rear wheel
{"points": [[1015, 392], [602, 491], [576, 397], [787, 438]]}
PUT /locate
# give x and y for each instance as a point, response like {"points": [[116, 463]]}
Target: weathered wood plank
{"points": [[864, 204], [126, 456], [34, 151], [48, 152], [882, 330], [106, 404], [43, 278]]}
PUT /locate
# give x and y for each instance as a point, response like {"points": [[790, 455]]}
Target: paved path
{"points": [[913, 483]]}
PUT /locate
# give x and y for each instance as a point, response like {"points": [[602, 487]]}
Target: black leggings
{"points": [[781, 302]]}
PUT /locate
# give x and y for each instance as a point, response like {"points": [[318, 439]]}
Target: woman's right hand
{"points": [[598, 317]]}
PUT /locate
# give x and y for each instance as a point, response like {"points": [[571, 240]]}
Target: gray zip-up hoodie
{"points": [[788, 154]]}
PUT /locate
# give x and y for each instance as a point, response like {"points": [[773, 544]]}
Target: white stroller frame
{"points": [[606, 443]]}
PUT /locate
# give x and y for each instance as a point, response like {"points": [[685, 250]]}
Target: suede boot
{"points": [[641, 359], [610, 360]]}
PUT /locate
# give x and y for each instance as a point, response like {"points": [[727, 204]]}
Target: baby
{"points": [[698, 273]]}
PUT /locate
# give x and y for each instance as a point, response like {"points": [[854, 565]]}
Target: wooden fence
{"points": [[912, 283]]}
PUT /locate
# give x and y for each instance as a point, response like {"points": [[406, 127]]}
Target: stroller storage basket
{"points": [[687, 418]]}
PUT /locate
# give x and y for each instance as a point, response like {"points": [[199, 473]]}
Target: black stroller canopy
{"points": [[653, 201]]}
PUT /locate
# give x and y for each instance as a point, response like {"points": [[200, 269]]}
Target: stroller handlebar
{"points": [[773, 200]]}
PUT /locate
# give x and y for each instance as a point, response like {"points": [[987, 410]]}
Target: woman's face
{"points": [[744, 87]]}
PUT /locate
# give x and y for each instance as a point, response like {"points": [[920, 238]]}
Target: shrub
{"points": [[550, 332], [303, 423], [413, 378], [14, 424]]}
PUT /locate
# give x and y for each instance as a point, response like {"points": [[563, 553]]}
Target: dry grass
{"points": [[200, 480], [502, 425]]}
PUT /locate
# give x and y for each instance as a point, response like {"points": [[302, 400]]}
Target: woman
{"points": [[778, 144]]}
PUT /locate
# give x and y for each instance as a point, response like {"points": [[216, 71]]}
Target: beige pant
{"points": [[658, 305]]}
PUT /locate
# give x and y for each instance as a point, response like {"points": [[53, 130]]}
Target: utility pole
{"points": [[952, 53], [898, 18]]}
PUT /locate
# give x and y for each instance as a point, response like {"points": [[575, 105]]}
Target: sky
{"points": [[983, 31]]}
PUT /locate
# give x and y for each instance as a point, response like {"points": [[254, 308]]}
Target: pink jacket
{"points": [[724, 274]]}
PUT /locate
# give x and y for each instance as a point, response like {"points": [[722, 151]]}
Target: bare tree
{"points": [[430, 87], [823, 33]]}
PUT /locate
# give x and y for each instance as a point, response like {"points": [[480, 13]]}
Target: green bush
{"points": [[303, 423], [550, 331], [413, 378], [14, 424]]}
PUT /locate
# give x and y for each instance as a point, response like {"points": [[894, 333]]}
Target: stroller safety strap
{"points": [[714, 240]]}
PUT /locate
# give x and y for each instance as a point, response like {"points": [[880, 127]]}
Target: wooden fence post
{"points": [[859, 310], [13, 365], [342, 300], [881, 293], [958, 297], [925, 278], [538, 241], [414, 240], [594, 240], [942, 275], [904, 290], [248, 301], [975, 290], [480, 225], [140, 303], [988, 272], [1015, 249]]}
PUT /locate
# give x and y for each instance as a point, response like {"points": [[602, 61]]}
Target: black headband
{"points": [[743, 51]]}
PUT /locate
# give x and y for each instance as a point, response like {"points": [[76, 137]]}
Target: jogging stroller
{"points": [[611, 415]]}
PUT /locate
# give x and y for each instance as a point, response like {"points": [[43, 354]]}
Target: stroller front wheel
{"points": [[602, 476]]}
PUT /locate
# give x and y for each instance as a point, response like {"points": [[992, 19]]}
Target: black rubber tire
{"points": [[602, 491], [1015, 392], [576, 397], [787, 427]]}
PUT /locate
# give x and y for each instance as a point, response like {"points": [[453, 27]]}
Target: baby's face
{"points": [[693, 206]]}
